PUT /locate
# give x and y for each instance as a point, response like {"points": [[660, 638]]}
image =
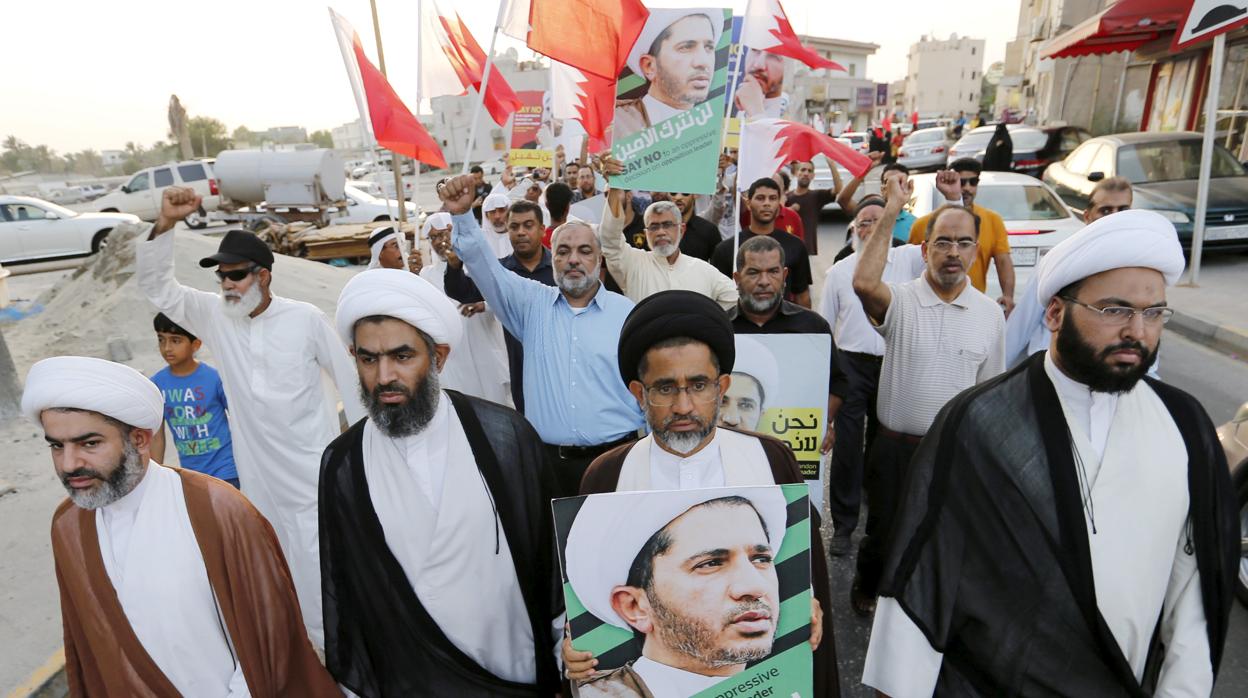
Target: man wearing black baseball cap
{"points": [[271, 352]]}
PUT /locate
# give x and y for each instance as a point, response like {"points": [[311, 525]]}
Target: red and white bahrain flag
{"points": [[766, 28], [768, 144], [583, 97], [468, 62], [392, 124], [594, 36]]}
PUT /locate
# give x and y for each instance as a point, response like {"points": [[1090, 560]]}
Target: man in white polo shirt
{"points": [[941, 336], [861, 354]]}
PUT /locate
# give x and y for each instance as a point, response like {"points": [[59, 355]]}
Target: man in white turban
{"points": [[386, 247], [434, 515], [1068, 528], [274, 354], [691, 572], [153, 561], [495, 209], [675, 54]]}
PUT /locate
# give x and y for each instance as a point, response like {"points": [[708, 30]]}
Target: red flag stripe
{"points": [[592, 35], [394, 126]]}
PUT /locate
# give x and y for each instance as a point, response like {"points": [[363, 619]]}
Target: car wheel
{"points": [[197, 219], [380, 219], [1241, 579], [100, 241]]}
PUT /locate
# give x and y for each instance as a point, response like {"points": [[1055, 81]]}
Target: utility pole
{"points": [[396, 160]]}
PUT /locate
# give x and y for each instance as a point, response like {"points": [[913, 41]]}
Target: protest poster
{"points": [[702, 579], [669, 110], [780, 388], [526, 133]]}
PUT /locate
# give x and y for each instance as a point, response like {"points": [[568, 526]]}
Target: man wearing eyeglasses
{"points": [[1069, 528], [271, 352], [642, 273], [959, 184], [676, 355], [941, 336]]}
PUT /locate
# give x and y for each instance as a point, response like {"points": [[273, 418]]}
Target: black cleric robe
{"points": [[990, 554], [603, 475], [379, 639]]}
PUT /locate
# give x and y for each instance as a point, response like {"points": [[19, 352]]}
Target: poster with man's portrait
{"points": [[780, 388], [669, 110], [702, 592]]}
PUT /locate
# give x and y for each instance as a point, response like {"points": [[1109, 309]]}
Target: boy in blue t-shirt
{"points": [[195, 408]]}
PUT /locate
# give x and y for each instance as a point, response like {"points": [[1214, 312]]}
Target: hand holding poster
{"points": [[702, 592], [780, 388], [526, 133], [670, 109]]}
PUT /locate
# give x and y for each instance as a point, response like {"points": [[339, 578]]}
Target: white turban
{"points": [[756, 360], [378, 241], [402, 295], [494, 201], [84, 383], [611, 529], [440, 220], [660, 20], [1135, 238]]}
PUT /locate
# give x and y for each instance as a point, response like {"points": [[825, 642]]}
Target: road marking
{"points": [[54, 665]]}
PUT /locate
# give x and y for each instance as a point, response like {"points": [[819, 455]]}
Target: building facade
{"points": [[831, 95], [451, 121], [944, 76]]}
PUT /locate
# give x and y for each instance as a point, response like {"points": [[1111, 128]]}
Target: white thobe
{"points": [[1135, 461], [455, 557], [477, 365], [664, 681], [730, 460], [153, 560], [498, 241], [281, 417]]}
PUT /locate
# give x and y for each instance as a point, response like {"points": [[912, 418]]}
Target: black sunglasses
{"points": [[973, 181], [236, 274]]}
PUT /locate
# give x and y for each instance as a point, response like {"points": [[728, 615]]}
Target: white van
{"points": [[141, 195]]}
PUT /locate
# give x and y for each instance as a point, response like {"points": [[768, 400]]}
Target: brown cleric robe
{"points": [[603, 475], [249, 577]]}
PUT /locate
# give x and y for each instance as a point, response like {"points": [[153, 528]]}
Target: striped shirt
{"points": [[935, 350]]}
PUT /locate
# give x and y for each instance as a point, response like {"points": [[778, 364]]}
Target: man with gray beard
{"points": [[152, 561], [569, 334], [676, 355], [435, 516], [760, 278], [271, 352]]}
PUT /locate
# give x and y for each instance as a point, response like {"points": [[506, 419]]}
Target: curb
{"points": [[1223, 338], [48, 681]]}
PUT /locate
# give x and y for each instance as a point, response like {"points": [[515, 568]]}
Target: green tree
{"points": [[208, 136], [244, 136], [322, 138]]}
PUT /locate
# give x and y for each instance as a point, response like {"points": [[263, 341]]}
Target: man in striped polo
{"points": [[941, 336]]}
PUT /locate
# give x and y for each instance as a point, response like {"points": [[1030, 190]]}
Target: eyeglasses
{"points": [[236, 274], [660, 227], [701, 391], [1122, 315], [948, 245], [973, 181]]}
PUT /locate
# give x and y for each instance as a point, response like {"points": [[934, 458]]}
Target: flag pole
{"points": [[417, 243], [396, 160], [485, 82], [736, 192]]}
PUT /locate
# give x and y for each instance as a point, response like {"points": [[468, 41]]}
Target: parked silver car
{"points": [[925, 149]]}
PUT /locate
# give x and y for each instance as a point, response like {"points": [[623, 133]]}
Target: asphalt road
{"points": [[1218, 381]]}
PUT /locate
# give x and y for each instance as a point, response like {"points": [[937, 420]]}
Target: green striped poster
{"points": [[696, 578]]}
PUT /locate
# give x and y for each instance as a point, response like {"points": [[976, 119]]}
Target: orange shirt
{"points": [[993, 240]]}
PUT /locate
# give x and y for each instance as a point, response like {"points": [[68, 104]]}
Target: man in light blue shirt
{"points": [[570, 332]]}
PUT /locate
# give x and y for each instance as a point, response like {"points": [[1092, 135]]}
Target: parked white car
{"points": [[925, 149], [141, 195], [33, 229], [1035, 218], [366, 208]]}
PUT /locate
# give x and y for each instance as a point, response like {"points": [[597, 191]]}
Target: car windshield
{"points": [[925, 137], [1028, 139], [1167, 161], [359, 194], [58, 210], [1021, 202]]}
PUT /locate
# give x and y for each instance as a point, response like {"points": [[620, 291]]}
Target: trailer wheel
{"points": [[197, 219]]}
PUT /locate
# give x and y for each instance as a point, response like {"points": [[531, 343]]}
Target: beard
{"points": [[1085, 364], [664, 251], [695, 637], [678, 87], [121, 482], [238, 306], [683, 442], [578, 287], [949, 279], [407, 418], [758, 307]]}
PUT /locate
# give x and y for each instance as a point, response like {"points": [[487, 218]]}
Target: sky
{"points": [[105, 78]]}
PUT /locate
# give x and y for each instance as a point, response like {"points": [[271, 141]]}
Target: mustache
{"points": [[394, 387], [747, 607], [667, 423], [81, 472], [1133, 345]]}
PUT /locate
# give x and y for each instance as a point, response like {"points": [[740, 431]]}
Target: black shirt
{"points": [[461, 288], [796, 258], [701, 237], [483, 190], [791, 318]]}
